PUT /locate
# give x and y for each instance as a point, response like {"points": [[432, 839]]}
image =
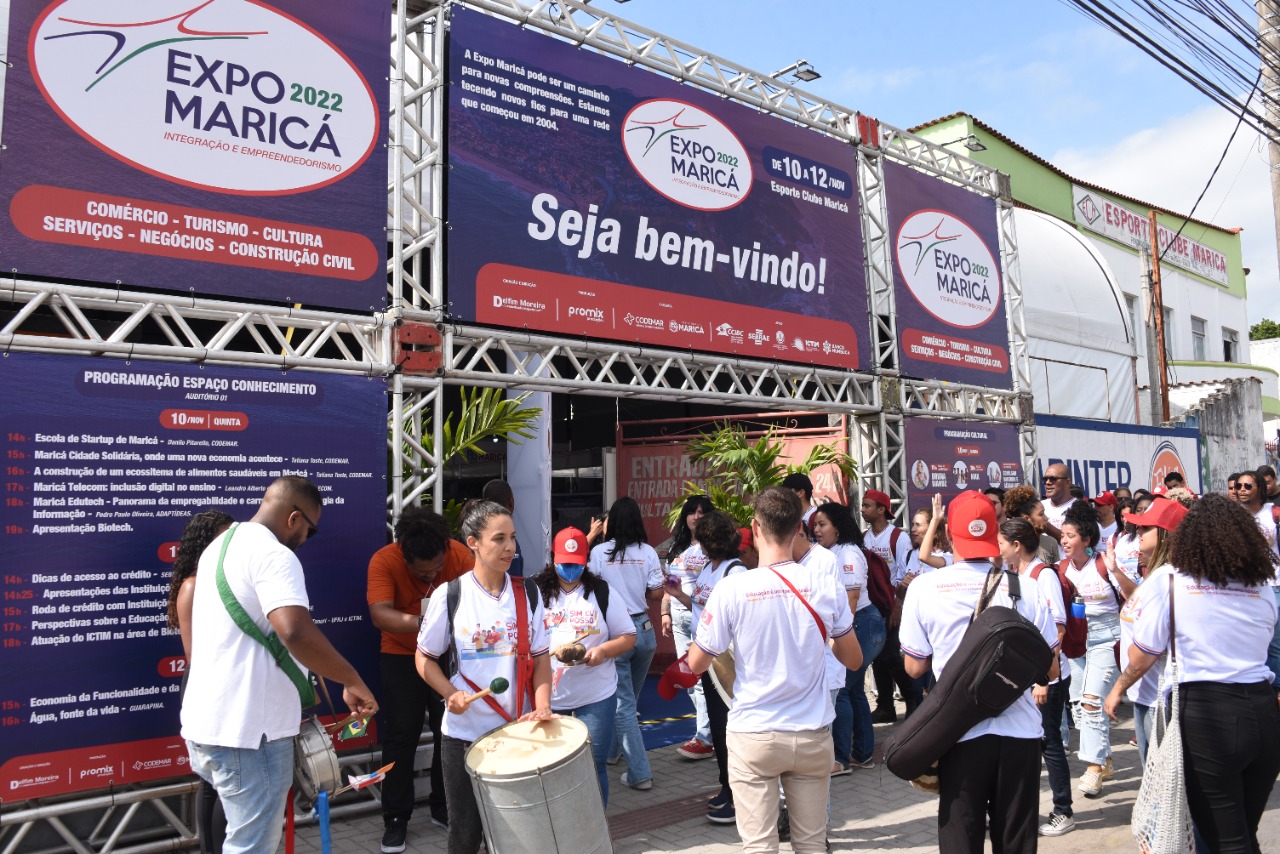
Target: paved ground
{"points": [[871, 810]]}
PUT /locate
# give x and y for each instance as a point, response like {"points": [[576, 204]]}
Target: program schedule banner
{"points": [[232, 147], [950, 457], [588, 197], [948, 289], [101, 475]]}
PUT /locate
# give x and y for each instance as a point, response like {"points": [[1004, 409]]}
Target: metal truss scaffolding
{"points": [[415, 343]]}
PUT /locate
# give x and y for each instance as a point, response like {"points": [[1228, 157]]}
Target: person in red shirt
{"points": [[402, 576]]}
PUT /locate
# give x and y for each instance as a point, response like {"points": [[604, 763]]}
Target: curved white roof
{"points": [[1078, 333]]}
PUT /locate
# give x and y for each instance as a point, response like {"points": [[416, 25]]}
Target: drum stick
{"points": [[497, 686]]}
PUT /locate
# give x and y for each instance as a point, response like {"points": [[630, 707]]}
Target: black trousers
{"points": [[466, 831], [718, 719], [889, 670], [1231, 753], [996, 776], [407, 702]]}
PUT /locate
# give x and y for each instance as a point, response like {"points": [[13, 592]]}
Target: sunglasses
{"points": [[1051, 478], [1240, 487], [312, 528]]}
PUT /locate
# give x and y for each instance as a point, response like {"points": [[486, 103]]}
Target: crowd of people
{"points": [[804, 582]]}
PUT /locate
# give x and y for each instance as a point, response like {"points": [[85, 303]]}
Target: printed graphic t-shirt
{"points": [[568, 616]]}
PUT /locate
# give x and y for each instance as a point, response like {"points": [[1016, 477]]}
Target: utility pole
{"points": [[1157, 309], [1269, 49]]}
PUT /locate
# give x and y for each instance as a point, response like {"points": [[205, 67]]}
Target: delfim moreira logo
{"points": [[948, 268], [225, 95], [686, 154]]}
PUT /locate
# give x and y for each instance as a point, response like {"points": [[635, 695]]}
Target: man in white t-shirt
{"points": [[893, 545], [1106, 505], [994, 770], [1057, 498], [778, 618], [241, 711]]}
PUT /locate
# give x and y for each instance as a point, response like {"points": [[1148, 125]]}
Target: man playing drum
{"points": [[778, 618]]}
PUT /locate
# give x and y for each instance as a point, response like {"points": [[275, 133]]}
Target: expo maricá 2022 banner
{"points": [[591, 198], [227, 147]]}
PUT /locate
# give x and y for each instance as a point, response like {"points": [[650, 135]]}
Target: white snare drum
{"points": [[536, 788], [315, 762]]}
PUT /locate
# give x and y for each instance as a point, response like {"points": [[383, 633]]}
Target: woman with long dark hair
{"points": [[1217, 586], [1023, 502], [583, 610], [631, 567], [684, 561], [201, 530], [852, 733]]}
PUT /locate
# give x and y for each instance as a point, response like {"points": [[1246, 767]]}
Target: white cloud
{"points": [[1168, 166]]}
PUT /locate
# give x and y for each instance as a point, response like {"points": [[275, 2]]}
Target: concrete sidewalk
{"points": [[871, 810]]}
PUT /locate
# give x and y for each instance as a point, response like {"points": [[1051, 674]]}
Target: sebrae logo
{"points": [[1164, 460], [232, 96], [686, 154], [948, 268]]}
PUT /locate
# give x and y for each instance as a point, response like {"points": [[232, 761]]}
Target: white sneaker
{"points": [[1091, 782], [1058, 825]]}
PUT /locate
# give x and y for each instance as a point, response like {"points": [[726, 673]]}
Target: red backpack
{"points": [[1077, 635]]}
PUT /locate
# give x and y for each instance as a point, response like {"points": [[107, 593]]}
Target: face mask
{"points": [[570, 572]]}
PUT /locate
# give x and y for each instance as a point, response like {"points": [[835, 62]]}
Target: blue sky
{"points": [[1036, 70]]}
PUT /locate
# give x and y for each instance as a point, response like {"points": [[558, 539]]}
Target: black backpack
{"points": [[1001, 655]]}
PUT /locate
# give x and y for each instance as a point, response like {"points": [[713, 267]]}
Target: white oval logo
{"points": [[229, 95], [686, 154], [948, 268], [571, 545], [977, 528]]}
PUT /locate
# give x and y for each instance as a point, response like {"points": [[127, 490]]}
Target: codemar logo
{"points": [[948, 268], [1164, 460], [233, 96], [686, 154]]}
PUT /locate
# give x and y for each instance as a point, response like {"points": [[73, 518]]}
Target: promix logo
{"points": [[594, 315], [948, 268], [643, 322], [687, 154], [225, 95]]}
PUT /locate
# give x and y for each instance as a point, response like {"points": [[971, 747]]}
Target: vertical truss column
{"points": [[876, 245], [878, 439], [417, 406], [416, 186], [1019, 357]]}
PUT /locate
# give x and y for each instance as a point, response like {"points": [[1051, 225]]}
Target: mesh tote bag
{"points": [[1161, 820]]}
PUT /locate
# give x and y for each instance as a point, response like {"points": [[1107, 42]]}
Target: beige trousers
{"points": [[802, 761]]}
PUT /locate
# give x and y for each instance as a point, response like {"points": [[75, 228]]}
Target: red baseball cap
{"points": [[1106, 498], [570, 547], [971, 520], [747, 540], [878, 497], [1163, 513]]}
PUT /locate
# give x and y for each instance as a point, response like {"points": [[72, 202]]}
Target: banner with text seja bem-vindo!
{"points": [[99, 482], [588, 197], [948, 292], [229, 148]]}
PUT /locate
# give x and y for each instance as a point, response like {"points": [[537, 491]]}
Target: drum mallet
{"points": [[497, 686]]}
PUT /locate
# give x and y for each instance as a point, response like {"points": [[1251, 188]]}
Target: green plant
{"points": [[738, 468]]}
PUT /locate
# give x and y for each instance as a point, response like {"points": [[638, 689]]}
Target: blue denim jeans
{"points": [[852, 732], [1143, 727], [1092, 676], [682, 633], [633, 667], [252, 785], [599, 720]]}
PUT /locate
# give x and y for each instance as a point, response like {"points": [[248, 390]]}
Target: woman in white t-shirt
{"points": [[1095, 672], [685, 561], [1127, 546], [631, 566], [1023, 502], [1217, 592], [485, 642], [1019, 543], [584, 682], [852, 732], [1155, 538], [720, 541]]}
